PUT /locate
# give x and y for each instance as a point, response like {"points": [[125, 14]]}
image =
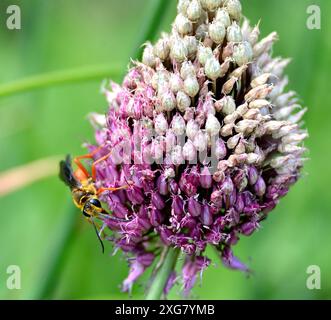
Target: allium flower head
{"points": [[206, 135]]}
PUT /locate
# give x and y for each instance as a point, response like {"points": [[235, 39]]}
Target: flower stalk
{"points": [[159, 282]]}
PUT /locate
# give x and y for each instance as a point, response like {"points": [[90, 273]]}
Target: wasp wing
{"points": [[67, 175]]}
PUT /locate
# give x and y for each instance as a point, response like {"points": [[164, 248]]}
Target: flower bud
{"points": [[200, 141], [191, 45], [189, 151], [246, 126], [156, 217], [212, 68], [168, 101], [192, 128], [175, 82], [170, 140], [177, 205], [162, 49], [260, 187], [182, 6], [161, 124], [178, 50], [191, 86], [233, 33], [157, 201], [183, 25], [295, 138], [234, 9], [213, 126], [148, 57], [220, 149], [206, 179], [243, 53], [227, 130], [204, 53], [187, 70], [253, 175], [194, 10], [183, 101], [227, 186], [206, 217], [217, 32], [177, 156], [178, 125], [222, 16], [233, 141], [213, 5], [173, 187], [227, 105], [194, 207], [260, 80]]}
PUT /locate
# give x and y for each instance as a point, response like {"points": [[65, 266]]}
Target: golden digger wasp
{"points": [[84, 192]]}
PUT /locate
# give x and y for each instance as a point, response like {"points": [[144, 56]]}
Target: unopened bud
{"points": [[175, 82], [168, 101], [191, 45], [234, 9], [233, 33], [204, 53], [161, 124], [178, 49], [243, 53], [212, 5], [183, 25], [217, 32], [212, 125], [223, 17], [212, 68], [246, 126], [260, 80], [200, 141], [183, 101], [187, 70], [228, 105], [192, 128], [178, 125], [162, 49], [194, 10], [189, 151], [148, 56], [191, 86]]}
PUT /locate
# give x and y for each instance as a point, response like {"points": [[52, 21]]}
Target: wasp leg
{"points": [[94, 172], [90, 155], [101, 190]]}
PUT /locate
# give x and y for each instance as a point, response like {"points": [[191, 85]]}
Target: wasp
{"points": [[84, 193]]}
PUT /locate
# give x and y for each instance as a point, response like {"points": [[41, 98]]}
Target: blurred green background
{"points": [[38, 224]]}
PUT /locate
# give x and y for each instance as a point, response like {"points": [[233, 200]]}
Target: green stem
{"points": [[162, 275], [57, 254], [59, 77]]}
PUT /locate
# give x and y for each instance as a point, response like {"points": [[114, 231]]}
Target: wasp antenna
{"points": [[97, 232]]}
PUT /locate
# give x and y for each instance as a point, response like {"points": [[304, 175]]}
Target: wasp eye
{"points": [[95, 202]]}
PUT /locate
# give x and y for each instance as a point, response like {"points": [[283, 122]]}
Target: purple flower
{"points": [[137, 268], [191, 269], [203, 160]]}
